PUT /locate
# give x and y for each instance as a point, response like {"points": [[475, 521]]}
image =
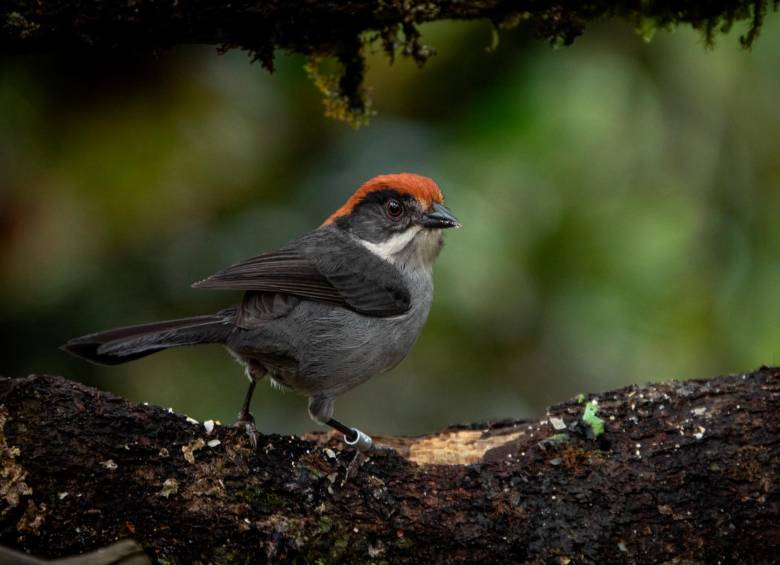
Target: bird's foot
{"points": [[247, 421], [354, 466], [362, 456], [365, 447]]}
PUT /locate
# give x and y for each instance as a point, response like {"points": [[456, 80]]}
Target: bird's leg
{"points": [[352, 436], [321, 410], [254, 373], [245, 417]]}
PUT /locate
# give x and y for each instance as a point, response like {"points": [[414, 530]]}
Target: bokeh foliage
{"points": [[620, 204]]}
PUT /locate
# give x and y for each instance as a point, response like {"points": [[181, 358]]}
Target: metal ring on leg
{"points": [[360, 441]]}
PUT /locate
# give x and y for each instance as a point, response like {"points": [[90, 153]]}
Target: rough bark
{"points": [[682, 471]]}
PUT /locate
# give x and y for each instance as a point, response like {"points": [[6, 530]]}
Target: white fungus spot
{"points": [[375, 551], [208, 425], [109, 464], [170, 486], [557, 423], [213, 443]]}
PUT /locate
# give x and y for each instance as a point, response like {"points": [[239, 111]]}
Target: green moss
{"points": [[326, 524], [340, 547], [311, 470], [341, 83], [590, 418], [344, 95], [260, 499], [17, 23], [226, 555]]}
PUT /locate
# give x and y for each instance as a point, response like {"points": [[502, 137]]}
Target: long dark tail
{"points": [[120, 345]]}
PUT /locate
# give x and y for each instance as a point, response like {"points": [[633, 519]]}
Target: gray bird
{"points": [[324, 313]]}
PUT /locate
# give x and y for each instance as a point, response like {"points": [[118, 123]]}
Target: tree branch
{"points": [[333, 28], [672, 471]]}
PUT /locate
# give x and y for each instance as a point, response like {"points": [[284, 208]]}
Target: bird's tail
{"points": [[120, 345]]}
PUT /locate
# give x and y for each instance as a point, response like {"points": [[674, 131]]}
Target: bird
{"points": [[323, 314]]}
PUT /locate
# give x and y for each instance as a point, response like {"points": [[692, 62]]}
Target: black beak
{"points": [[439, 218]]}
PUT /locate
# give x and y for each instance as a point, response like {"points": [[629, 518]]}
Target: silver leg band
{"points": [[361, 441]]}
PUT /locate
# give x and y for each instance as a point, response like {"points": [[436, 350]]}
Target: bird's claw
{"points": [[361, 457], [247, 421], [363, 444], [354, 465]]}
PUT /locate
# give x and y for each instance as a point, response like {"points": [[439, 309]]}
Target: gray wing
{"points": [[325, 266]]}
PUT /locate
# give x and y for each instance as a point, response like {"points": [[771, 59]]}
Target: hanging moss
{"points": [[557, 23]]}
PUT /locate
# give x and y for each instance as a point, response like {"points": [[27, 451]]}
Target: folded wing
{"points": [[325, 266]]}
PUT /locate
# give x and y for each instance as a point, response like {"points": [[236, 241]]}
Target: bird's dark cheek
{"points": [[402, 225]]}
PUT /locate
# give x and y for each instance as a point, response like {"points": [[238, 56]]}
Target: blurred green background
{"points": [[620, 203]]}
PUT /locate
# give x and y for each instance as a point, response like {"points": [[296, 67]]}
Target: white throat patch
{"points": [[388, 249]]}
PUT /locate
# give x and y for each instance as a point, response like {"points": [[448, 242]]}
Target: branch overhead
{"points": [[337, 29]]}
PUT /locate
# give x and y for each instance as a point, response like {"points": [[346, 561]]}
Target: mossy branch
{"points": [[338, 29], [671, 472]]}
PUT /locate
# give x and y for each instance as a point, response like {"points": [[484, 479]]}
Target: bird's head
{"points": [[399, 217]]}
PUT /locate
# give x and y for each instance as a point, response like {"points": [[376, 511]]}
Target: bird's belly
{"points": [[334, 349], [345, 355]]}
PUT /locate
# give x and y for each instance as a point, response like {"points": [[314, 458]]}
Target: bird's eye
{"points": [[394, 209]]}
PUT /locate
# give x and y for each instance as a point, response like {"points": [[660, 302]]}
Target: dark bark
{"points": [[316, 26], [334, 28], [682, 471]]}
